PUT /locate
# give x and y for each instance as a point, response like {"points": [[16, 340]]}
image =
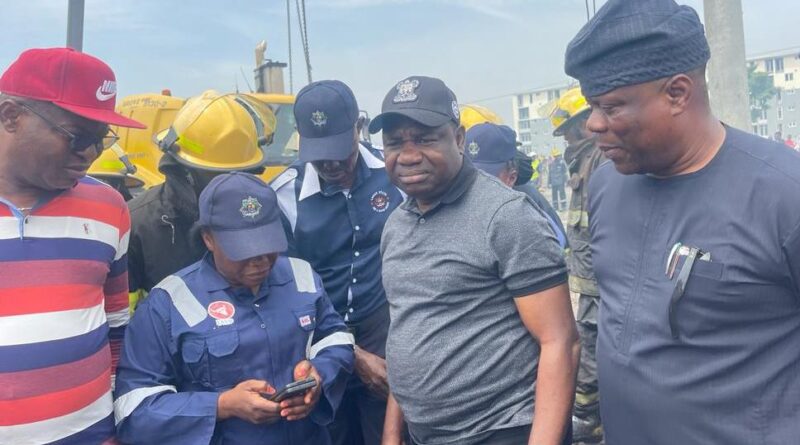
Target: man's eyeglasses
{"points": [[79, 142]]}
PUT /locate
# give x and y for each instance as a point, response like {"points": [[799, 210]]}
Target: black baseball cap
{"points": [[326, 113], [426, 100]]}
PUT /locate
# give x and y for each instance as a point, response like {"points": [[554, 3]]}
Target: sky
{"points": [[485, 50]]}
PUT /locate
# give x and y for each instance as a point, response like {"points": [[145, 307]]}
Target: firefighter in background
{"points": [[557, 179], [582, 156], [212, 134], [114, 168]]}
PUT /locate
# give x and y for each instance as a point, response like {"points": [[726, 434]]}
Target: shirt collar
{"points": [[460, 184], [312, 185]]}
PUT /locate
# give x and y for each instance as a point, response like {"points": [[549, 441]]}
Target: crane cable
{"points": [[301, 17]]}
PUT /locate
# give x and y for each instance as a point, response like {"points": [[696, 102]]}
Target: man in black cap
{"points": [[695, 239], [493, 149], [334, 203], [481, 319]]}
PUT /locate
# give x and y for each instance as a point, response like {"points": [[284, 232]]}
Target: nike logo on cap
{"points": [[106, 91]]}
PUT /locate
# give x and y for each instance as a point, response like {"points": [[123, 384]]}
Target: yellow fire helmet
{"points": [[571, 105], [472, 115], [219, 132], [555, 152], [113, 163]]}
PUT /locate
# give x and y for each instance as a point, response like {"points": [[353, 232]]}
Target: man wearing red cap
{"points": [[63, 244]]}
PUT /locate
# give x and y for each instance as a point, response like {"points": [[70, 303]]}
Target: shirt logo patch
{"points": [[305, 320], [319, 118], [250, 207], [379, 201], [222, 311], [473, 148], [406, 91]]}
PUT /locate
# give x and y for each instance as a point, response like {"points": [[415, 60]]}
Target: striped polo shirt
{"points": [[63, 307]]}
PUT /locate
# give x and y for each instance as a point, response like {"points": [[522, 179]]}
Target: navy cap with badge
{"points": [[425, 100], [241, 211], [326, 113], [491, 146], [634, 42]]}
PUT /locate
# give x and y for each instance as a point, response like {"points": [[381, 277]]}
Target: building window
{"points": [[780, 113], [524, 125], [788, 77], [523, 114], [525, 137], [769, 66], [792, 124], [791, 107], [763, 130], [763, 114], [780, 128], [755, 129], [778, 95], [790, 91], [779, 64]]}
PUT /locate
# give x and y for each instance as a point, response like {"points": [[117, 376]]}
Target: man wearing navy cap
{"points": [[482, 347], [334, 203], [212, 343], [695, 240], [493, 149]]}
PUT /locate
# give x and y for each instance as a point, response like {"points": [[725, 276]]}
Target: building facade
{"points": [[530, 121], [782, 114]]}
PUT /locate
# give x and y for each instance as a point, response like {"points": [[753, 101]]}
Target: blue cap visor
{"points": [[337, 147], [242, 244]]}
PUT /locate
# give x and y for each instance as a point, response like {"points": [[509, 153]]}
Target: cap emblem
{"points": [[406, 91], [473, 148], [250, 207], [106, 91], [319, 118], [456, 113]]}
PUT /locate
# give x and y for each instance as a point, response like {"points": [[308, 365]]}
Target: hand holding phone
{"points": [[293, 389]]}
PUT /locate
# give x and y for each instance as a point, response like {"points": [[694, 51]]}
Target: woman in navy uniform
{"points": [[212, 342]]}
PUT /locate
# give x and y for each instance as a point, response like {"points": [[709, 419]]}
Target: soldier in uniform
{"points": [[582, 156]]}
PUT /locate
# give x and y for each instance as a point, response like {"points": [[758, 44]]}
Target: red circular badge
{"points": [[221, 310]]}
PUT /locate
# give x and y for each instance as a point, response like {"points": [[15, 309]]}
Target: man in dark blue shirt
{"points": [[335, 202], [695, 240]]}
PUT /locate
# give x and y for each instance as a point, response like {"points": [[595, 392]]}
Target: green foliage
{"points": [[762, 90]]}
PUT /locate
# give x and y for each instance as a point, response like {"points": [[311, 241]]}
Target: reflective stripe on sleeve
{"points": [[335, 339], [124, 406]]}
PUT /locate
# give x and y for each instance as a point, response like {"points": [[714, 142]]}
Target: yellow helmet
{"points": [[571, 105], [555, 152], [113, 164], [219, 132], [472, 115]]}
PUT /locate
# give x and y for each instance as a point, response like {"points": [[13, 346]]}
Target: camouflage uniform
{"points": [[582, 159]]}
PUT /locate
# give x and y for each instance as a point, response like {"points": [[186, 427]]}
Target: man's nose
{"points": [[597, 121]]}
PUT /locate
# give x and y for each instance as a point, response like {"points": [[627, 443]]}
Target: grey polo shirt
{"points": [[460, 361]]}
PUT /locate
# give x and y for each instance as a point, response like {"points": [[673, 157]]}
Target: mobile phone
{"points": [[293, 389]]}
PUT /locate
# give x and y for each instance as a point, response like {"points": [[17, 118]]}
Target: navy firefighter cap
{"points": [[326, 113], [491, 146], [241, 211]]}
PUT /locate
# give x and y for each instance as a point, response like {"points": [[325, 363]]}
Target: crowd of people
{"points": [[416, 292]]}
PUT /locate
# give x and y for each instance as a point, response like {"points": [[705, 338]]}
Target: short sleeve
{"points": [[529, 258]]}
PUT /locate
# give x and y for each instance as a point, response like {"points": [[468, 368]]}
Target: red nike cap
{"points": [[72, 80]]}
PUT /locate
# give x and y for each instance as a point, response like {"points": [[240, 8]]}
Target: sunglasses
{"points": [[79, 142]]}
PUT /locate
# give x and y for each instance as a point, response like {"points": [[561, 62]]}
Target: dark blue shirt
{"points": [[195, 337], [732, 376], [339, 231]]}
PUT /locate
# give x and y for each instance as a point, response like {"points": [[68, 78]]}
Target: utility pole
{"points": [[727, 70], [75, 24]]}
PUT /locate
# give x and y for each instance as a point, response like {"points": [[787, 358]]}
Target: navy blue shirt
{"points": [[732, 375], [195, 336], [339, 231]]}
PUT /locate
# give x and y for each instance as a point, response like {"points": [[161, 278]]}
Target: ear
{"points": [[9, 116], [512, 177], [679, 91], [461, 138], [208, 240]]}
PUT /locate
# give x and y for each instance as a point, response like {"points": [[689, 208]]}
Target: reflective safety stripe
{"points": [[303, 275], [124, 406], [184, 301], [586, 399], [335, 339]]}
